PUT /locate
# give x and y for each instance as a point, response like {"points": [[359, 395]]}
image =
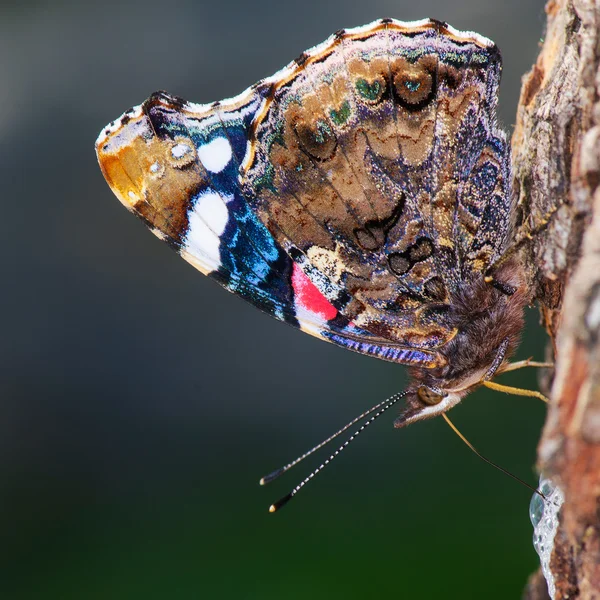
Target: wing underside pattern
{"points": [[347, 195]]}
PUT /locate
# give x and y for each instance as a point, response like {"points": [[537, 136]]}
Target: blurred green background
{"points": [[140, 403]]}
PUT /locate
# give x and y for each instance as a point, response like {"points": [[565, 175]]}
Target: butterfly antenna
{"points": [[487, 460], [380, 408], [278, 472]]}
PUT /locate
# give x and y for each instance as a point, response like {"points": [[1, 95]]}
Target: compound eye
{"points": [[429, 396]]}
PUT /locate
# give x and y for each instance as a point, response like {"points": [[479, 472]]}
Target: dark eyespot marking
{"points": [[371, 91], [340, 116], [415, 84], [402, 262], [435, 289], [422, 249], [366, 239], [398, 264], [374, 234], [317, 140]]}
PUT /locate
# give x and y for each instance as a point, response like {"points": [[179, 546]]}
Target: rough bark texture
{"points": [[556, 157]]}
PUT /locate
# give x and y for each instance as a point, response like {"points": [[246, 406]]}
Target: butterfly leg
{"points": [[525, 237], [507, 389], [526, 363]]}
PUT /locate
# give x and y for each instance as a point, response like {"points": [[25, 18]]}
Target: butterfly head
{"points": [[425, 402]]}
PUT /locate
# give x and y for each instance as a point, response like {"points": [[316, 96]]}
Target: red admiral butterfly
{"points": [[361, 194]]}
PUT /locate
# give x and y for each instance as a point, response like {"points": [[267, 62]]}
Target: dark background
{"points": [[140, 403]]}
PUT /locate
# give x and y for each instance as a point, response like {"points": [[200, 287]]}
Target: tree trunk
{"points": [[556, 158]]}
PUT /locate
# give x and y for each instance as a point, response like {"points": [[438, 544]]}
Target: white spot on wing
{"points": [[207, 221], [180, 150], [215, 155], [211, 208]]}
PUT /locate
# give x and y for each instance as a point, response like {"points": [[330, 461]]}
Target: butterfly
{"points": [[361, 194]]}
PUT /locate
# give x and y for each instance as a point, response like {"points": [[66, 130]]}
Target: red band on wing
{"points": [[309, 297]]}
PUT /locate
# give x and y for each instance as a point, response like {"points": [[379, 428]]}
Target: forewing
{"points": [[176, 166]]}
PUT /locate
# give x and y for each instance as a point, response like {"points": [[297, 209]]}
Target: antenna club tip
{"points": [[272, 508], [272, 476]]}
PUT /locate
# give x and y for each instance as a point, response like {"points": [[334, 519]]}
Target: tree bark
{"points": [[556, 159]]}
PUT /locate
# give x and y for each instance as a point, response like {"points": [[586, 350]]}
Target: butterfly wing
{"points": [[377, 161], [176, 167], [342, 195]]}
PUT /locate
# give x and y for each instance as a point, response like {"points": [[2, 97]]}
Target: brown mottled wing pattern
{"points": [[378, 166]]}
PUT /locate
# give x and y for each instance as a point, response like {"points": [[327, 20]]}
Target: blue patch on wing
{"points": [[252, 264]]}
